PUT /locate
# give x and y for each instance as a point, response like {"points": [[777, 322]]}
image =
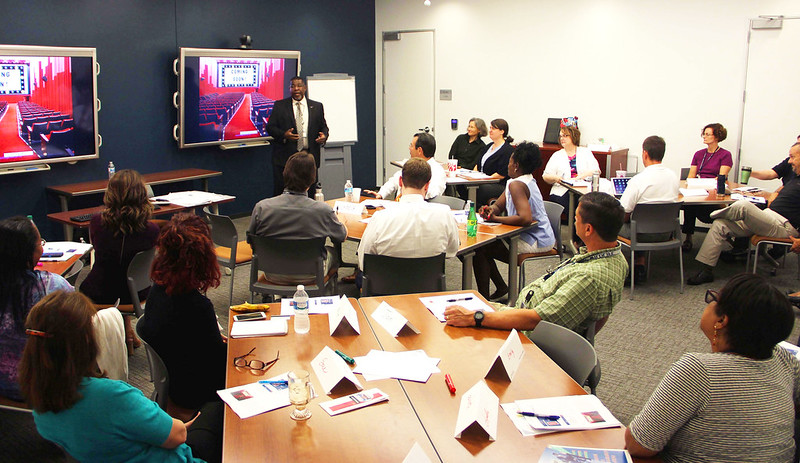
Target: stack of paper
{"points": [[704, 183], [412, 365], [438, 304], [560, 454], [354, 401], [66, 248], [256, 398], [693, 192], [567, 413], [192, 198], [275, 326], [472, 174]]}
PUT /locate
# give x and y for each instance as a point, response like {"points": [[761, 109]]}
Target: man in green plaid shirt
{"points": [[581, 290]]}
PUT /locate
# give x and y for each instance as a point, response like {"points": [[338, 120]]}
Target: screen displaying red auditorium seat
{"points": [[227, 95], [47, 110]]}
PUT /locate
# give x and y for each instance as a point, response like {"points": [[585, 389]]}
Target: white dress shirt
{"points": [[411, 228], [435, 188], [655, 184]]}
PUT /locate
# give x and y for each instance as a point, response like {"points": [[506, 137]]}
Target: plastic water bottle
{"points": [[348, 191], [472, 221], [301, 322], [318, 196], [111, 170]]}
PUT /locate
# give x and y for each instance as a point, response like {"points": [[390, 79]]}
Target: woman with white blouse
{"points": [[570, 162]]}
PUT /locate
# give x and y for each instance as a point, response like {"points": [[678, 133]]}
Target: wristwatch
{"points": [[478, 318]]}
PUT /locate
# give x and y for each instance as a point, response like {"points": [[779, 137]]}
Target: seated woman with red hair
{"points": [[180, 322]]}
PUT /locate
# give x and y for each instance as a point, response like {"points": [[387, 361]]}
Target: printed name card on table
{"points": [[508, 358], [478, 406], [333, 371], [343, 207], [342, 316], [391, 320], [417, 455]]}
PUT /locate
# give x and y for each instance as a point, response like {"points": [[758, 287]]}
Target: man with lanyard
{"points": [[580, 290]]}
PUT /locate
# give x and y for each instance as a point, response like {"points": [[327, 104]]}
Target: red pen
{"points": [[449, 381]]}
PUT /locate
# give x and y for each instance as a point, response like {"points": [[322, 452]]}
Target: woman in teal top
{"points": [[523, 205], [92, 418]]}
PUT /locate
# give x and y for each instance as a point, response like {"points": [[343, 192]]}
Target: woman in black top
{"points": [[468, 147], [494, 162]]}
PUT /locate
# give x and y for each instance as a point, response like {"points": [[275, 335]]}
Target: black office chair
{"points": [[283, 261], [384, 275]]}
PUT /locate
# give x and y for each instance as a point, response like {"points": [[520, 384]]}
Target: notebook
{"points": [[620, 183]]}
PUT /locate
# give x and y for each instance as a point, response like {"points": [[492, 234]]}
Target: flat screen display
{"points": [[226, 96], [48, 110]]}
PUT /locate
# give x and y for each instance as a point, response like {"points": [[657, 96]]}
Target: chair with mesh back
{"points": [[655, 218], [384, 275], [569, 350], [554, 212], [231, 252], [456, 204], [287, 263], [138, 280], [158, 373]]}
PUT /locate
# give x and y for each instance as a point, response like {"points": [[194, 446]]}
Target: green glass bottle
{"points": [[472, 222]]}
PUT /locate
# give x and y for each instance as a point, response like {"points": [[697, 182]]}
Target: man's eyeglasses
{"points": [[711, 296], [255, 364]]}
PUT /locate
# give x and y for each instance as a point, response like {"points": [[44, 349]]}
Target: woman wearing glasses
{"points": [[709, 162], [494, 162], [180, 322], [95, 418], [736, 403], [570, 162], [21, 286]]}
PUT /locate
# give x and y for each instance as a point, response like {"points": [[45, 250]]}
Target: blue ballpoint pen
{"points": [[544, 417]]}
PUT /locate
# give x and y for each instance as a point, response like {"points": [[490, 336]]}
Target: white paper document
{"points": [[566, 413], [508, 358], [413, 365], [344, 207], [354, 401], [752, 199], [704, 183], [259, 397], [472, 174], [275, 326], [192, 198], [332, 370], [794, 350], [478, 405], [316, 305], [438, 304], [391, 320], [66, 248], [342, 315], [688, 192]]}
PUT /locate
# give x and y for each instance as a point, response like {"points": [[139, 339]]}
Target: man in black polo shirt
{"points": [[781, 219]]}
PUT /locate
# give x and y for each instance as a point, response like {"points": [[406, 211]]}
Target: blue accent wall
{"points": [[137, 42]]}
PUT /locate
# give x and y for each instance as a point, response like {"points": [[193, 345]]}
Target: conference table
{"points": [[712, 199], [467, 245], [423, 413], [471, 184]]}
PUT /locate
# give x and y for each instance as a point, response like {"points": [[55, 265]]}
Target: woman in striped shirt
{"points": [[737, 403]]}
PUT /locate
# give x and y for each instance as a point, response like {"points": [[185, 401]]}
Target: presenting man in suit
{"points": [[296, 124]]}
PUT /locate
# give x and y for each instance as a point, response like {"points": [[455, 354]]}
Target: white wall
{"points": [[627, 68]]}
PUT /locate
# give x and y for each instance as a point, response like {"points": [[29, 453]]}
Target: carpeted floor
{"points": [[642, 338]]}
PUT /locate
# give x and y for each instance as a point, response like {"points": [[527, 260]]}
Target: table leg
{"points": [[205, 185], [466, 270], [472, 194], [513, 270], [571, 223], [68, 229]]}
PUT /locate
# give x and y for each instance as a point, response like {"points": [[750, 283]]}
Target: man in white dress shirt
{"points": [[655, 184], [422, 146], [412, 227]]}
